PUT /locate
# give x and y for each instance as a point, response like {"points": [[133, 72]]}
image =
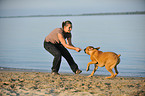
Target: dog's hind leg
{"points": [[116, 71], [115, 68], [96, 67]]}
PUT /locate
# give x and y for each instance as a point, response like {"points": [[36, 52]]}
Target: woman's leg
{"points": [[56, 53], [65, 53]]}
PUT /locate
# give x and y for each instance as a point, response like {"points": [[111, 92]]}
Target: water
{"points": [[21, 42]]}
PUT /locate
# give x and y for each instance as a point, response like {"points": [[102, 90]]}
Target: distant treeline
{"points": [[85, 14]]}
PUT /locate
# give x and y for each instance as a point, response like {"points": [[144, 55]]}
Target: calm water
{"points": [[21, 42]]}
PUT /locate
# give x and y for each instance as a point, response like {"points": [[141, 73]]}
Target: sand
{"points": [[44, 84]]}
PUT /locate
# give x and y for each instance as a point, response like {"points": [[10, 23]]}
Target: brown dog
{"points": [[108, 59]]}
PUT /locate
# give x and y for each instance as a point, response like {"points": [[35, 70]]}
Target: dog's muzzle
{"points": [[85, 50]]}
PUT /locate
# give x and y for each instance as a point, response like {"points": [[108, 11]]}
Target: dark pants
{"points": [[58, 50]]}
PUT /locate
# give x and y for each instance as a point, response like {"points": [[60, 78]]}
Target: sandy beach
{"points": [[14, 83]]}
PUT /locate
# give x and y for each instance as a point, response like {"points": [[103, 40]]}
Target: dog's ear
{"points": [[97, 48]]}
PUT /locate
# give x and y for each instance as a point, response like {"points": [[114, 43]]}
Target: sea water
{"points": [[21, 42]]}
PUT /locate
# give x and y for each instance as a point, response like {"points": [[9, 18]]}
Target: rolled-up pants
{"points": [[58, 50]]}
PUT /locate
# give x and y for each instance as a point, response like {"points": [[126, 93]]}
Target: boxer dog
{"points": [[108, 59]]}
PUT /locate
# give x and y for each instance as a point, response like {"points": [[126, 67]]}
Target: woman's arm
{"points": [[69, 41], [63, 42]]}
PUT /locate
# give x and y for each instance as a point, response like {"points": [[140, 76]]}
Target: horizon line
{"points": [[83, 14]]}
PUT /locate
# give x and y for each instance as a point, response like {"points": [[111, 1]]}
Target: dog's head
{"points": [[90, 48]]}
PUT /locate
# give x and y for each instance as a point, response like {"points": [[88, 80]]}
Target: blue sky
{"points": [[47, 7]]}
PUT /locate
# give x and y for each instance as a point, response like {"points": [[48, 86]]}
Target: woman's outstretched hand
{"points": [[78, 49]]}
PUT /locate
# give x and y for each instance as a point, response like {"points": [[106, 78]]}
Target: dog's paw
{"points": [[115, 74], [109, 77], [90, 76]]}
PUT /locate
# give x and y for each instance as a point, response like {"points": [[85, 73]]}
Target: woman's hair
{"points": [[65, 23]]}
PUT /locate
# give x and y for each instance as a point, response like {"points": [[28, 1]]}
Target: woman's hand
{"points": [[78, 49]]}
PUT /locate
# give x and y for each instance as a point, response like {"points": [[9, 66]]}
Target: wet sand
{"points": [[16, 83]]}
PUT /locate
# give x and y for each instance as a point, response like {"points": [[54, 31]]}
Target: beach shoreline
{"points": [[24, 82], [70, 72]]}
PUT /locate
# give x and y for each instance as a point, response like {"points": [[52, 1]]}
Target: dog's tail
{"points": [[119, 55]]}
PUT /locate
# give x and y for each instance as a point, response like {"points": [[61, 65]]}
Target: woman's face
{"points": [[68, 28]]}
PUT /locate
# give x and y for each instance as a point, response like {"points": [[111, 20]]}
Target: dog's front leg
{"points": [[96, 67], [88, 65]]}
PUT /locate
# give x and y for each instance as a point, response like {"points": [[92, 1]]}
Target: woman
{"points": [[56, 45]]}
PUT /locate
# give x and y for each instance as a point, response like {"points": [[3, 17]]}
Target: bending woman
{"points": [[56, 45]]}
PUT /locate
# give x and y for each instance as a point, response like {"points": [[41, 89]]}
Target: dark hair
{"points": [[65, 23]]}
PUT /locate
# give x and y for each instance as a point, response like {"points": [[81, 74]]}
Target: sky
{"points": [[48, 7]]}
